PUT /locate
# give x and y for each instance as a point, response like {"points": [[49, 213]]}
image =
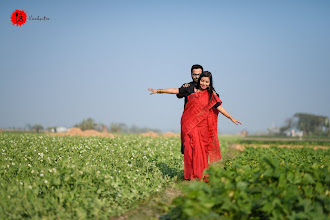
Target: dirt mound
{"points": [[171, 134], [86, 133], [150, 134]]}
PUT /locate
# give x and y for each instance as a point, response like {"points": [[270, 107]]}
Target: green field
{"points": [[83, 177], [48, 177], [262, 183]]}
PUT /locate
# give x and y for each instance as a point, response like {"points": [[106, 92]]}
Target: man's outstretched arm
{"points": [[183, 87]]}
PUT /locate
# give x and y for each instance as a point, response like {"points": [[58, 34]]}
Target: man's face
{"points": [[195, 74]]}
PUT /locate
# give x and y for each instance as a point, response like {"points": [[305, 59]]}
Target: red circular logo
{"points": [[18, 17]]}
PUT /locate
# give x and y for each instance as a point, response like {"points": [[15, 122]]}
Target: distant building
{"points": [[292, 132], [273, 130], [59, 129]]}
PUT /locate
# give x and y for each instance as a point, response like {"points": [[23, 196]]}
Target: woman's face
{"points": [[205, 82]]}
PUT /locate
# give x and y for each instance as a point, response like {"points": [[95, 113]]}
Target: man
{"points": [[196, 71]]}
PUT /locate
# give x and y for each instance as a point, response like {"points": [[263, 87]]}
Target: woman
{"points": [[199, 126]]}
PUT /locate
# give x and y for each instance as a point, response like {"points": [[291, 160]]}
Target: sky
{"points": [[269, 60]]}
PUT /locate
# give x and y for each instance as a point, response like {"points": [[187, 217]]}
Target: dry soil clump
{"points": [[86, 133]]}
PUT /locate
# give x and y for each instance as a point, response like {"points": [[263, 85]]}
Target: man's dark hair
{"points": [[196, 66]]}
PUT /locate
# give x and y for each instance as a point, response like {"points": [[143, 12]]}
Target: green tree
{"points": [[118, 128], [313, 124], [288, 124], [38, 127], [87, 124]]}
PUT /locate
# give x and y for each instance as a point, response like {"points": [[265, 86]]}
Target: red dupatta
{"points": [[198, 108]]}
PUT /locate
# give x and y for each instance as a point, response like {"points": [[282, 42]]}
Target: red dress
{"points": [[199, 134]]}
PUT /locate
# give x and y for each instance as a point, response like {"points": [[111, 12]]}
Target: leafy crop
{"points": [[262, 183], [83, 177]]}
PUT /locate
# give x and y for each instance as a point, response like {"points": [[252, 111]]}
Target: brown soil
{"points": [[86, 133], [150, 134], [242, 147], [153, 134], [285, 139], [171, 134]]}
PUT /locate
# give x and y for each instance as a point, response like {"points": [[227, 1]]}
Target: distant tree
{"points": [[123, 128], [288, 124], [308, 123], [134, 129], [327, 127], [99, 127], [37, 127], [119, 128], [114, 128], [313, 124], [86, 124], [28, 127]]}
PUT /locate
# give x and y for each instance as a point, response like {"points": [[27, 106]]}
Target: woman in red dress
{"points": [[199, 121]]}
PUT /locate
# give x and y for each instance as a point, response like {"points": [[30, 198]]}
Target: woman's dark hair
{"points": [[210, 88], [196, 66]]}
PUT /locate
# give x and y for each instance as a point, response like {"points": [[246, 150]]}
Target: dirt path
{"points": [[160, 204], [153, 208], [241, 147], [284, 139]]}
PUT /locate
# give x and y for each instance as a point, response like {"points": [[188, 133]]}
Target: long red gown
{"points": [[199, 134]]}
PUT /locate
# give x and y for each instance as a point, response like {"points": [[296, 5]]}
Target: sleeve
{"points": [[183, 91], [179, 96], [216, 105]]}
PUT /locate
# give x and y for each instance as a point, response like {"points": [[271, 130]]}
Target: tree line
{"points": [[89, 124], [311, 125]]}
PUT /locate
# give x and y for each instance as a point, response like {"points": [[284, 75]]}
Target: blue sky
{"points": [[269, 60]]}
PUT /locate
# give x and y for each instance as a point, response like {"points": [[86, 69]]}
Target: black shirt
{"points": [[185, 91]]}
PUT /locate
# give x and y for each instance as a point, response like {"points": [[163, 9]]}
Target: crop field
{"points": [[83, 177], [73, 177], [262, 183]]}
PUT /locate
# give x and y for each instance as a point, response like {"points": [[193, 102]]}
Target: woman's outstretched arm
{"points": [[169, 91], [225, 113]]}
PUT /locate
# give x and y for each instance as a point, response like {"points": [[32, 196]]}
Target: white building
{"points": [[292, 132], [59, 129]]}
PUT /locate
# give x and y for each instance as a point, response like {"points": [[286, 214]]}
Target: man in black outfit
{"points": [[196, 71], [188, 88]]}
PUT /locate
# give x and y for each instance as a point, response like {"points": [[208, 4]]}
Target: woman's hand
{"points": [[236, 122], [153, 91]]}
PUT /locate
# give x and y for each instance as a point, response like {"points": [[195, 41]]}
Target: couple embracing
{"points": [[199, 135]]}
